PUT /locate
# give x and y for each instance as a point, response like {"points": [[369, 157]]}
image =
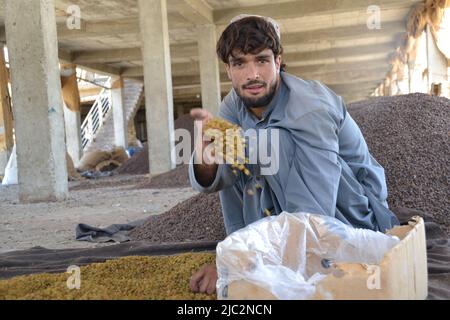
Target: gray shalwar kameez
{"points": [[324, 163]]}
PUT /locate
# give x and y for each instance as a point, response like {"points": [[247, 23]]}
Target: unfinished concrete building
{"points": [[166, 48]]}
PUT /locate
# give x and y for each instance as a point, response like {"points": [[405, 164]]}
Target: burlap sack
{"points": [[92, 159], [71, 171]]}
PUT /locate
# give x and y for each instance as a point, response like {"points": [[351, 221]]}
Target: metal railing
{"points": [[95, 118]]}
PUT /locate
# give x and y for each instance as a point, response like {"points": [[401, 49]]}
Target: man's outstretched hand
{"points": [[201, 118], [204, 280]]}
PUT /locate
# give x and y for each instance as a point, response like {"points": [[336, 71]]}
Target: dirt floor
{"points": [[196, 219], [98, 203]]}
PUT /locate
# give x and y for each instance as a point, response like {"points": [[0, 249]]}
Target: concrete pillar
{"points": [[448, 77], [209, 68], [377, 92], [119, 114], [403, 79], [417, 79], [411, 64], [72, 120], [387, 87], [37, 100], [418, 82], [381, 90], [418, 66], [393, 86], [6, 120], [158, 85], [437, 64]]}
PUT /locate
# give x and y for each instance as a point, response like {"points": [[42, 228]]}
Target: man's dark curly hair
{"points": [[249, 35]]}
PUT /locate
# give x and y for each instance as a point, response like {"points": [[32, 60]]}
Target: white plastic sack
{"points": [[284, 254], [10, 177]]}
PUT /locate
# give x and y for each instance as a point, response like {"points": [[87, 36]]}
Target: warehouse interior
{"points": [[92, 93]]}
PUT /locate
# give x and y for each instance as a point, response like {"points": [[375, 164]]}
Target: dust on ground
{"points": [[98, 203]]}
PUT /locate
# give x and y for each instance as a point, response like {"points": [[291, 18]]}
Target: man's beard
{"points": [[255, 102]]}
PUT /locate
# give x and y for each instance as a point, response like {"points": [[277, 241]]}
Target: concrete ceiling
{"points": [[326, 40]]}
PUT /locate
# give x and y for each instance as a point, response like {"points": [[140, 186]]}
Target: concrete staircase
{"points": [[133, 93]]}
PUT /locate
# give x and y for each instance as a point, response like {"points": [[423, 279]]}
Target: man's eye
{"points": [[262, 61], [237, 64]]}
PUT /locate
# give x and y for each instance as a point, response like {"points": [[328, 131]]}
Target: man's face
{"points": [[255, 77]]}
